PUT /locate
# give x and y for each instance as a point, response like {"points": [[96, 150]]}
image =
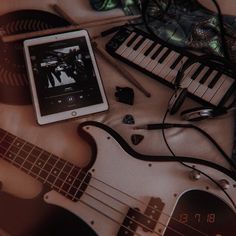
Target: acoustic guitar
{"points": [[120, 192]]}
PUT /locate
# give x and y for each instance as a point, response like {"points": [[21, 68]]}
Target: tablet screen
{"points": [[64, 76]]}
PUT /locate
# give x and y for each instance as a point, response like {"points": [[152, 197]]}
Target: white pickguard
{"points": [[139, 179]]}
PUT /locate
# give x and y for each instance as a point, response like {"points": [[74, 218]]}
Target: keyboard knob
{"points": [[224, 184], [112, 45], [194, 175]]}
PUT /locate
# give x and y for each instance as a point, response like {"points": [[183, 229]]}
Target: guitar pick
{"points": [[128, 119], [136, 138]]}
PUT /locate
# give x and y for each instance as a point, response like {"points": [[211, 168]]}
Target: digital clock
{"points": [[201, 213]]}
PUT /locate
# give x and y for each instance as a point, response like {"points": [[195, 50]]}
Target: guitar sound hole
{"points": [[201, 212]]}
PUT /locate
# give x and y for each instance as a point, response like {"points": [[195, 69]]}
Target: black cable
{"points": [[188, 166]]}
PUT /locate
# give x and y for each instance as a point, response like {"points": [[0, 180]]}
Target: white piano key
{"points": [[157, 65], [168, 62], [215, 100], [130, 49], [172, 75], [186, 80], [135, 53], [147, 59], [141, 55], [210, 92], [195, 83], [123, 47], [203, 87]]}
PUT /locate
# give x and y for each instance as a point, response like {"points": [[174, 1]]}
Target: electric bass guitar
{"points": [[120, 192]]}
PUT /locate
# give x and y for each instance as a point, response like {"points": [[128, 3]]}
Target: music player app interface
{"points": [[64, 76]]}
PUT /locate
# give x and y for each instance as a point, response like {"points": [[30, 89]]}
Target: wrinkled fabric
{"points": [[186, 23]]}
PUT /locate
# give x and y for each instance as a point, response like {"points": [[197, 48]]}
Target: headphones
{"points": [[178, 98]]}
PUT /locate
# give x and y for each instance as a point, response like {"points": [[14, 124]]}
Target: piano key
{"points": [[195, 83], [158, 67], [134, 54], [197, 72], [132, 40], [172, 75], [169, 61], [139, 43], [186, 80], [214, 80], [210, 92], [206, 76], [124, 44], [176, 62], [154, 63], [154, 56], [149, 50], [215, 100], [141, 55], [164, 56], [129, 50], [203, 87], [147, 59], [179, 67]]}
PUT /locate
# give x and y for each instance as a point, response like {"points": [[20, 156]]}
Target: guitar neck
{"points": [[49, 169]]}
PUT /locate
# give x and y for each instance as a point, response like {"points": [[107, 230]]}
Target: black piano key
{"points": [[132, 40], [149, 50], [153, 57], [176, 62], [214, 80], [197, 72], [164, 56], [139, 43], [205, 76]]}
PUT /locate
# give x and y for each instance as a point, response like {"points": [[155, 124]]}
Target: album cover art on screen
{"points": [[64, 75]]}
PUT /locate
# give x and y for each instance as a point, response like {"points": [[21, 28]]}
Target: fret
{"points": [[41, 162], [50, 179], [27, 165], [52, 161], [78, 184], [74, 173], [59, 174], [21, 151], [53, 172], [66, 172], [7, 143], [59, 166]]}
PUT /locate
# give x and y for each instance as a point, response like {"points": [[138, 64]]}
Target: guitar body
{"points": [[132, 194], [123, 180], [34, 217]]}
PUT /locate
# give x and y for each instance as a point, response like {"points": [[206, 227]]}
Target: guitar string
{"points": [[125, 203], [157, 210], [94, 198], [120, 224], [116, 189]]}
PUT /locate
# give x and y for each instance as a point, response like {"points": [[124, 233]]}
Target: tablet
{"points": [[64, 77]]}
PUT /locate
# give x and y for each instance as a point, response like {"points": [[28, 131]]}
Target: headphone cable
{"points": [[188, 166]]}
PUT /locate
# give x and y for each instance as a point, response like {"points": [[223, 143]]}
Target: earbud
{"points": [[202, 113]]}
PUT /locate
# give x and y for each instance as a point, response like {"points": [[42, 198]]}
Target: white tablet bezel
{"points": [[71, 113]]}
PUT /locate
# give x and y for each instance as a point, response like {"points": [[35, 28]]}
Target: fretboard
{"points": [[49, 169]]}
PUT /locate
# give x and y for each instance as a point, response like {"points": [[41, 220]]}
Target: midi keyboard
{"points": [[205, 83]]}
